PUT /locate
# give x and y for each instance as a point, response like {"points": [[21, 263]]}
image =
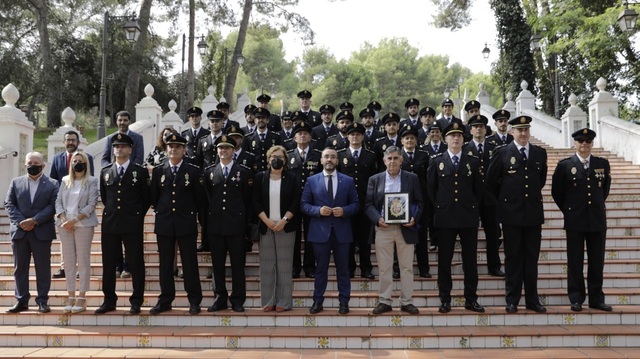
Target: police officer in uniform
{"points": [[340, 140], [248, 117], [313, 117], [274, 124], [447, 113], [262, 139], [206, 151], [228, 186], [124, 191], [371, 132], [502, 136], [413, 118], [287, 128], [225, 108], [580, 186], [516, 174], [322, 131], [177, 195], [427, 117], [376, 107], [359, 163], [391, 138], [194, 133]]}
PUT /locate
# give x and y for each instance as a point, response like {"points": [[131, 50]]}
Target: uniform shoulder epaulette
{"points": [[380, 138], [105, 166], [370, 151], [183, 132], [290, 151], [473, 156], [142, 166], [499, 147], [564, 159], [491, 141], [209, 166], [422, 150], [193, 165], [342, 150], [437, 155], [244, 166], [317, 150]]}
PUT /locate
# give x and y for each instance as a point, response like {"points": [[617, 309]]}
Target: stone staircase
{"points": [[613, 334]]}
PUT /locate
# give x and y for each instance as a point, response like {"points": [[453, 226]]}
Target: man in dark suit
{"points": [[194, 133], [359, 163], [483, 148], [206, 154], [321, 132], [427, 117], [447, 113], [224, 107], [330, 199], [30, 204], [60, 168], [454, 185], [502, 135], [403, 236], [391, 121], [313, 117], [124, 190], [580, 186], [273, 124], [123, 120], [412, 118], [371, 133], [340, 140], [176, 196], [516, 174], [248, 117], [228, 186], [261, 140]]}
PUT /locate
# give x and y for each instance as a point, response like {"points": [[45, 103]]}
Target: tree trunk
{"points": [[50, 76], [190, 73], [132, 89], [232, 73]]}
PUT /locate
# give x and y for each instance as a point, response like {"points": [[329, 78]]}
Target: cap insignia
{"points": [[585, 131], [523, 120]]}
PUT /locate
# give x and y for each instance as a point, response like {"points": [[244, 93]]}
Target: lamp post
{"points": [[485, 53], [132, 30], [536, 45], [627, 19], [202, 50]]}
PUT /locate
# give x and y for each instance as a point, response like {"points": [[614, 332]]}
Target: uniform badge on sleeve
{"points": [[106, 177]]}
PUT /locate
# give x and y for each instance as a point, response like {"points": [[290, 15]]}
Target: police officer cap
{"points": [[390, 117], [299, 116], [235, 131], [355, 127], [455, 126], [411, 102], [427, 111], [225, 140], [215, 115], [521, 122], [471, 105], [434, 126], [302, 126], [194, 111], [263, 98], [304, 94], [447, 102], [408, 129], [375, 105], [261, 112], [286, 116], [584, 134], [173, 138], [501, 115], [249, 108], [367, 112], [121, 139], [478, 120], [346, 106], [223, 105], [345, 115], [327, 108]]}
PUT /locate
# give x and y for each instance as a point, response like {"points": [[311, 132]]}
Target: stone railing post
{"points": [[602, 104], [525, 100], [55, 141], [572, 120], [172, 118]]}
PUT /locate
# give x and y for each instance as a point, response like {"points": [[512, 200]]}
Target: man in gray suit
{"points": [[30, 203]]}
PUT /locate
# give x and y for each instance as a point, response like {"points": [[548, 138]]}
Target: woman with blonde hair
{"points": [[76, 220]]}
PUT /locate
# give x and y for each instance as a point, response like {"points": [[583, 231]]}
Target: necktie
{"points": [[326, 130], [330, 188], [435, 148], [410, 155], [449, 119], [504, 139], [455, 162], [303, 156], [288, 134], [68, 161], [480, 149], [235, 157], [225, 172], [195, 133], [121, 172], [368, 133], [524, 155], [262, 135], [355, 155], [585, 164], [174, 170]]}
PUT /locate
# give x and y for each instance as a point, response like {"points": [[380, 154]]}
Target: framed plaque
{"points": [[396, 208]]}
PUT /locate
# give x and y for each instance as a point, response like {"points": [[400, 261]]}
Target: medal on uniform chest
{"points": [[135, 177], [469, 169], [162, 179], [574, 170], [237, 177], [205, 144], [106, 177], [186, 179], [512, 160], [253, 144], [293, 160], [384, 147], [311, 165], [346, 161], [599, 173], [441, 166], [490, 153], [335, 142], [187, 138]]}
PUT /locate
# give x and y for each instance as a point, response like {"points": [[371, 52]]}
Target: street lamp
{"points": [[536, 45], [485, 53], [627, 18], [239, 60], [132, 30], [202, 50]]}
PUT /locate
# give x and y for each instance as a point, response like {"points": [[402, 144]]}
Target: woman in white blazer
{"points": [[76, 220]]}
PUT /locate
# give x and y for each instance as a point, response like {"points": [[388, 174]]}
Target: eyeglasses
{"points": [[583, 140], [274, 157]]}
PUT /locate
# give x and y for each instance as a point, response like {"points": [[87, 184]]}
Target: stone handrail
{"points": [[620, 137], [144, 127]]}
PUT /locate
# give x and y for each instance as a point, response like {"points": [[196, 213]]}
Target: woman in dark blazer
{"points": [[276, 200]]}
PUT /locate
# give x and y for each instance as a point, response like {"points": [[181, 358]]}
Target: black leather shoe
{"points": [[536, 307], [601, 306], [237, 308], [344, 308], [576, 307], [202, 248], [105, 308], [444, 307], [497, 273], [409, 308], [194, 309], [382, 308], [295, 275], [474, 306], [17, 308], [511, 308], [316, 308], [159, 309], [396, 275], [58, 274], [425, 275], [210, 275], [433, 248], [352, 275], [218, 305], [135, 309], [368, 275], [310, 275], [43, 308]]}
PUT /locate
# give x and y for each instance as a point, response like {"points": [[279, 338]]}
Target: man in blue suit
{"points": [[123, 119], [60, 168], [30, 203], [330, 199]]}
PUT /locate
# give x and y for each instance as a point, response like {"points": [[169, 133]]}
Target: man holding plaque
{"points": [[393, 205]]}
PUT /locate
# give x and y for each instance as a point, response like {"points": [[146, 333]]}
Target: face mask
{"points": [[34, 170], [277, 163], [79, 167]]}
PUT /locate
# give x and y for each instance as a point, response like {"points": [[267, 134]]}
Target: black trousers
{"points": [[234, 245], [446, 247], [521, 249], [308, 263], [361, 229], [595, 267], [133, 251], [491, 230], [189, 257]]}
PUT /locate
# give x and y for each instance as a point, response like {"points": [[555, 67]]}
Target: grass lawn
{"points": [[40, 138]]}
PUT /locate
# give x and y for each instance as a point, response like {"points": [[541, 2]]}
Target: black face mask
{"points": [[79, 167], [277, 163], [34, 170]]}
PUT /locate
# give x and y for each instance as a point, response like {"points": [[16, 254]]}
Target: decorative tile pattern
{"points": [[637, 268], [147, 285], [3, 285], [478, 256], [415, 343], [364, 285], [145, 302], [483, 320], [298, 302], [323, 343], [623, 299], [602, 340], [225, 321], [569, 319], [564, 268], [544, 256], [206, 259], [612, 254], [143, 341], [233, 342], [144, 320], [543, 299], [464, 342], [63, 319], [56, 341], [310, 321], [8, 271], [458, 245], [458, 301], [508, 342], [396, 321], [146, 258]]}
